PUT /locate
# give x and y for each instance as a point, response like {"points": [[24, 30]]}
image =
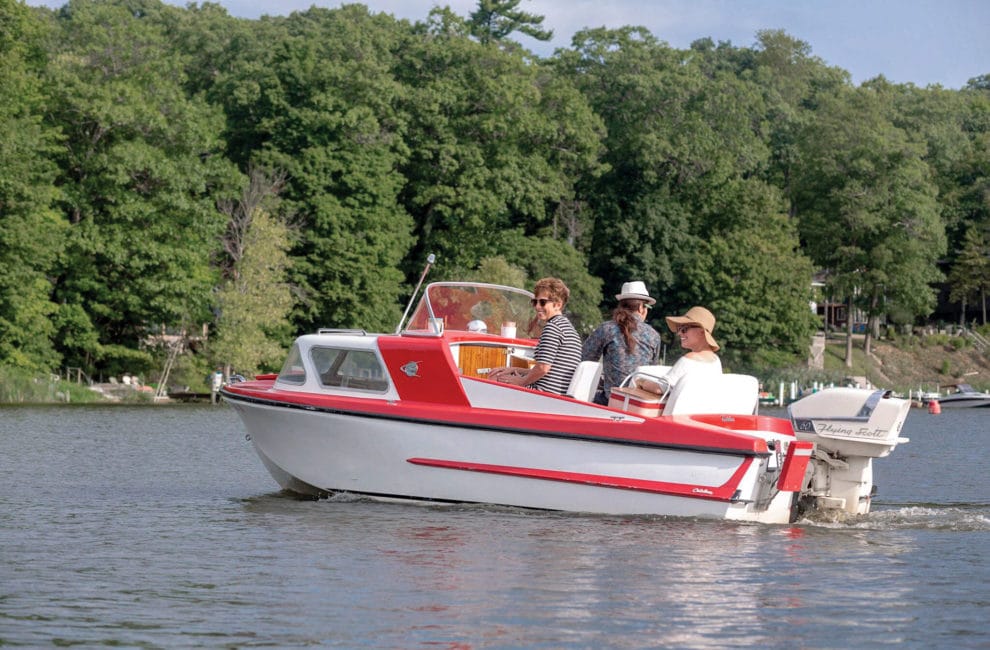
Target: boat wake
{"points": [[961, 517]]}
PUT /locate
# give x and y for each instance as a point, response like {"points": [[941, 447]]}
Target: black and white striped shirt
{"points": [[559, 346]]}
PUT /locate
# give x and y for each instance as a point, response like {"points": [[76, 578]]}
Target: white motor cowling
{"points": [[849, 427]]}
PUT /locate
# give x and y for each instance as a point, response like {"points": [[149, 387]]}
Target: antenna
{"points": [[430, 259]]}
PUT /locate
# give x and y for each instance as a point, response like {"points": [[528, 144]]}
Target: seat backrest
{"points": [[727, 393], [584, 383], [655, 371]]}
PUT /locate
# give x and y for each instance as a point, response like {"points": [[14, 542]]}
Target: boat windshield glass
{"points": [[355, 369], [293, 371], [461, 305]]}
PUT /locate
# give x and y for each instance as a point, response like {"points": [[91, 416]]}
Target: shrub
{"points": [[959, 342], [19, 386]]}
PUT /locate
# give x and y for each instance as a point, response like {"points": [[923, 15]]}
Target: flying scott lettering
{"points": [[832, 429]]}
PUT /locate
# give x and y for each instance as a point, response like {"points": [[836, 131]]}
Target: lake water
{"points": [[157, 527]]}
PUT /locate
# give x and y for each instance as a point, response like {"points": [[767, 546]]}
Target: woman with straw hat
{"points": [[694, 329]]}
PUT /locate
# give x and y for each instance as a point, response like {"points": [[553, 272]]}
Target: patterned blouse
{"points": [[608, 344]]}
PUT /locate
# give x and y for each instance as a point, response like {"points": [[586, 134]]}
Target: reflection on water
{"points": [[159, 527]]}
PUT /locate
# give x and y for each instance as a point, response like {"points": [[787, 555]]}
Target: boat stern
{"points": [[849, 427]]}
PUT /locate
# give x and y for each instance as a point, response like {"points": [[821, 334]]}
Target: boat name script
{"points": [[833, 429]]}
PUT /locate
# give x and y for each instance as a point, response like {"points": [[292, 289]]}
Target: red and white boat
{"points": [[411, 416]]}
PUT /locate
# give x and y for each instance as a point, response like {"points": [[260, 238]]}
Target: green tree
{"points": [[497, 270], [686, 149], [867, 208], [30, 230], [544, 256], [141, 172], [755, 280], [494, 20], [255, 299], [791, 79], [327, 115], [969, 276], [495, 143]]}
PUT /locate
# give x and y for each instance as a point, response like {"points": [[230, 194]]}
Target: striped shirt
{"points": [[559, 346]]}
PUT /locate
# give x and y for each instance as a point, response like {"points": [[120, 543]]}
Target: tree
{"points": [[969, 277], [255, 300], [542, 257], [327, 114], [792, 80], [683, 199], [141, 171], [495, 143], [494, 20], [755, 280], [30, 230], [867, 207]]}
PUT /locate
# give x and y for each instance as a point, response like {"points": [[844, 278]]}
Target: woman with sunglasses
{"points": [[558, 351], [694, 329], [625, 342]]}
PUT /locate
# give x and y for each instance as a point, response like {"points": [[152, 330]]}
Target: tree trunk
{"points": [[962, 313], [983, 300], [872, 322], [849, 332]]}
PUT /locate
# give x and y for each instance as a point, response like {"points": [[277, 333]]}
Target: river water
{"points": [[157, 527]]}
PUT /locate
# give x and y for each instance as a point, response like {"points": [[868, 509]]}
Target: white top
{"points": [[685, 366]]}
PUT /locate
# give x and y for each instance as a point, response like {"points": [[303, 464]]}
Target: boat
{"points": [[964, 396], [411, 416]]}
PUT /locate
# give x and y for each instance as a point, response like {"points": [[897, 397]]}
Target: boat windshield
{"points": [[472, 306]]}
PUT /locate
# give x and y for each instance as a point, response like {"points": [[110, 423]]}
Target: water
{"points": [[157, 527]]}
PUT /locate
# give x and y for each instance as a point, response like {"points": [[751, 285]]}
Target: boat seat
{"points": [[727, 393], [655, 371], [584, 383]]}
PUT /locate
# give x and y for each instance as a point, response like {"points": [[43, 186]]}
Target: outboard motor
{"points": [[849, 427]]}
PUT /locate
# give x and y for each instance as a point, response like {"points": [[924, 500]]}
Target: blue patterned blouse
{"points": [[607, 343]]}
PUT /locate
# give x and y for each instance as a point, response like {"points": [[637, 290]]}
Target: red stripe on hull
{"points": [[720, 493]]}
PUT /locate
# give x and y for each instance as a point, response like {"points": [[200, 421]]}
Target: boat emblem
{"points": [[411, 369]]}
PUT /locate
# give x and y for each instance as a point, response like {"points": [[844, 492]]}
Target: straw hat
{"points": [[635, 290], [696, 316]]}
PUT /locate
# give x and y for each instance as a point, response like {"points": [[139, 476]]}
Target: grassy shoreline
{"points": [[907, 364], [22, 387]]}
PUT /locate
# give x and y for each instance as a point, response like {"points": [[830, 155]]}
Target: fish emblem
{"points": [[410, 369]]}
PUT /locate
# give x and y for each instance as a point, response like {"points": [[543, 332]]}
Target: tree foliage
{"points": [[31, 234], [867, 206], [255, 299], [970, 274], [494, 20], [141, 171], [719, 175]]}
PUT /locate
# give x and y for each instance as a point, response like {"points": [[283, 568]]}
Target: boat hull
{"points": [[415, 416], [964, 402], [317, 451]]}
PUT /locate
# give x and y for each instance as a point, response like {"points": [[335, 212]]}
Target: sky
{"points": [[924, 42]]}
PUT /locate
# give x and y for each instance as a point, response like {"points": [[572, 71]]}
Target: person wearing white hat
{"points": [[624, 342]]}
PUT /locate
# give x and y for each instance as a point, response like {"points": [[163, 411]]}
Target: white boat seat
{"points": [[727, 393], [655, 371], [584, 383]]}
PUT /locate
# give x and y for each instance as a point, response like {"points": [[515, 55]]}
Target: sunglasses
{"points": [[684, 328], [542, 302]]}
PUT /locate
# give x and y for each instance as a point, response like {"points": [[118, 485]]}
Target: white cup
{"points": [[509, 329]]}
